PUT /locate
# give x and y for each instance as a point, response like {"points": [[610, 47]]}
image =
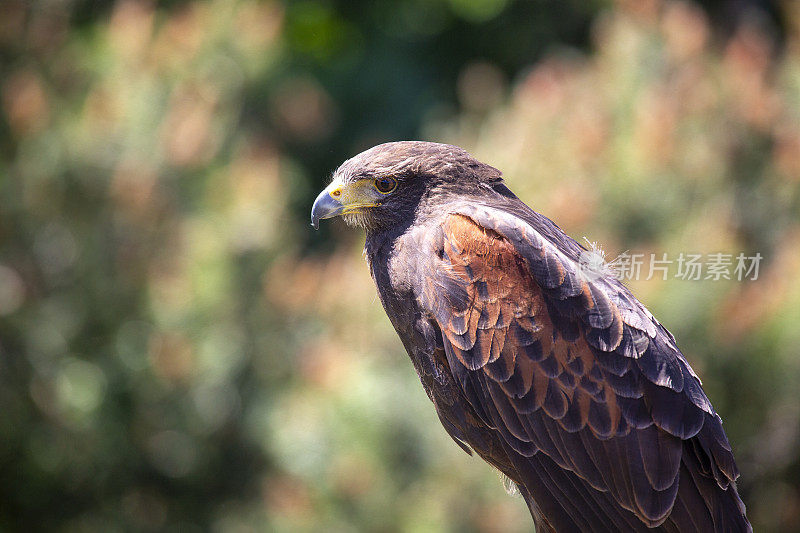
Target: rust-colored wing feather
{"points": [[592, 399]]}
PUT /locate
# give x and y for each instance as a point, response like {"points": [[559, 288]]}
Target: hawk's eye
{"points": [[385, 185]]}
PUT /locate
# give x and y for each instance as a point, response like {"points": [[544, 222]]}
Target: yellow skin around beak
{"points": [[344, 198]]}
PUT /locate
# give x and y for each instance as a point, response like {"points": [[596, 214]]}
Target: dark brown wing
{"points": [[590, 394]]}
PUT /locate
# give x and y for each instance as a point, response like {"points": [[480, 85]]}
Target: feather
{"points": [[555, 401], [662, 456], [628, 385], [660, 365], [672, 412], [635, 412]]}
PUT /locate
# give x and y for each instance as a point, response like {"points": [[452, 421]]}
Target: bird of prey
{"points": [[561, 380]]}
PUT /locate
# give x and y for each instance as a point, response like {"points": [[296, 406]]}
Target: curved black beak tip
{"points": [[325, 206]]}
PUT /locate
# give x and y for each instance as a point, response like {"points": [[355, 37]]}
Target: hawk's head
{"points": [[383, 186]]}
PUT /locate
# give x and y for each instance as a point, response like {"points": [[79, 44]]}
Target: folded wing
{"points": [[574, 368]]}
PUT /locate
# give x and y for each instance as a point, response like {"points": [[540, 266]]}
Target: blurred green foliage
{"points": [[179, 352]]}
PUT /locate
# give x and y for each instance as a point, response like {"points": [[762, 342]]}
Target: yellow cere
{"points": [[355, 195]]}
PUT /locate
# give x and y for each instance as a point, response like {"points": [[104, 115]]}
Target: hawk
{"points": [[561, 380]]}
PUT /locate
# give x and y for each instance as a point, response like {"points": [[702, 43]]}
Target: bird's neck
{"points": [[378, 243]]}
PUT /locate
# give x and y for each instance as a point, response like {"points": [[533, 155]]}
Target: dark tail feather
{"points": [[539, 521], [702, 505], [568, 503], [561, 501]]}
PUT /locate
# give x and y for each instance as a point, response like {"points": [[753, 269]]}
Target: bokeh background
{"points": [[180, 352]]}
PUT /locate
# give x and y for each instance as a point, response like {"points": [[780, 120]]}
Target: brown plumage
{"points": [[562, 381]]}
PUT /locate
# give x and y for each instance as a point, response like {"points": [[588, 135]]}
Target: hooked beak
{"points": [[325, 206], [343, 198]]}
